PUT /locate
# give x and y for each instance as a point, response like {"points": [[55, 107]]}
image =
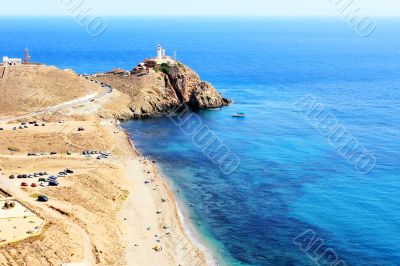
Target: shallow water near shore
{"points": [[290, 179]]}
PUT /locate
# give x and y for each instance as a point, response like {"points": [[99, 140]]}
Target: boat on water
{"points": [[239, 115], [213, 109]]}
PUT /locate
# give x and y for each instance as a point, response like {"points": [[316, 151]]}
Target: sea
{"points": [[292, 195]]}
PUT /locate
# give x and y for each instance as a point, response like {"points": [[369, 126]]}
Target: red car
{"points": [[34, 185], [24, 184]]}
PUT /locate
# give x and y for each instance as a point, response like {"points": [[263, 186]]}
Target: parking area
{"points": [[39, 179]]}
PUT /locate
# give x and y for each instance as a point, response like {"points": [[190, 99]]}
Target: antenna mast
{"points": [[27, 57]]}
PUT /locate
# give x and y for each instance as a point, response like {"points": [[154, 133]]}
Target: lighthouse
{"points": [[159, 59], [159, 52]]}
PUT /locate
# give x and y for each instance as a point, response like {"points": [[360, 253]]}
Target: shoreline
{"points": [[195, 236], [188, 229]]}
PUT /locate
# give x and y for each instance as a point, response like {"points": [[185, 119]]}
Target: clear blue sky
{"points": [[200, 7]]}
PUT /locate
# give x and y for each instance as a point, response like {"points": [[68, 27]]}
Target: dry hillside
{"points": [[27, 88]]}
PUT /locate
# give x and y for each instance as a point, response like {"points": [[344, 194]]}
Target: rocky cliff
{"points": [[191, 90], [163, 89]]}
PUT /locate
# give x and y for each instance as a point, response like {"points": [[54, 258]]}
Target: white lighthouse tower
{"points": [[159, 52]]}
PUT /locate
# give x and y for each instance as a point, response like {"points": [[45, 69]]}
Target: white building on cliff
{"points": [[162, 57], [151, 63], [11, 61]]}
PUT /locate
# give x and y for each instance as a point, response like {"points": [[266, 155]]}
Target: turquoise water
{"points": [[290, 179]]}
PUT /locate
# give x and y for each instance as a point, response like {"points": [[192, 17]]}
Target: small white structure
{"points": [[11, 61], [163, 53]]}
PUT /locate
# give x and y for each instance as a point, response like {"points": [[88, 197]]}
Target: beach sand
{"points": [[150, 214]]}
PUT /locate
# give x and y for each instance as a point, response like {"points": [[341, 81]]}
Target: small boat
{"points": [[239, 115], [213, 109]]}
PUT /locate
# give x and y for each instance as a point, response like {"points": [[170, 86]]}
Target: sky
{"points": [[201, 7]]}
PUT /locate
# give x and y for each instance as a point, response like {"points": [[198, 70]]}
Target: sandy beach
{"points": [[116, 210], [158, 221]]}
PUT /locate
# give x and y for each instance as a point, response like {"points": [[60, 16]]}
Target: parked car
{"points": [[43, 198], [33, 185], [68, 171], [53, 183], [24, 184]]}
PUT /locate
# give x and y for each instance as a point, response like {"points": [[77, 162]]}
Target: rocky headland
{"points": [[162, 89]]}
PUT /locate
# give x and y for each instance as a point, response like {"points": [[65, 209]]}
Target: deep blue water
{"points": [[290, 179]]}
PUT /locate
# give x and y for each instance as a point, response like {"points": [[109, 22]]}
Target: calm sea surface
{"points": [[291, 179]]}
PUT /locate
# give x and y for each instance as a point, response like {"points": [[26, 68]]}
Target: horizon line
{"points": [[200, 16]]}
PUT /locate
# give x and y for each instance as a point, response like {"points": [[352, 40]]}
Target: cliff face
{"points": [[163, 90], [191, 90]]}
